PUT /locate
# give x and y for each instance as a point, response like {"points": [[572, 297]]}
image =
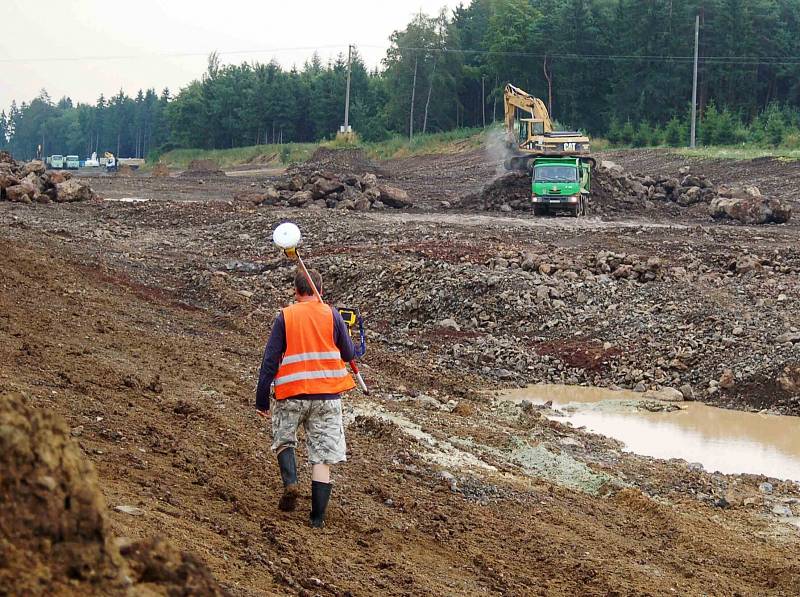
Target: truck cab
{"points": [[72, 162], [57, 162], [561, 184]]}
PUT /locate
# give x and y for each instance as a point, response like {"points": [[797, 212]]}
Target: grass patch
{"points": [[712, 152], [290, 153], [277, 155], [739, 153], [449, 142]]}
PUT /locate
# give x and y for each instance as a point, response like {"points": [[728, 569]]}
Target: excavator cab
{"points": [[530, 127]]}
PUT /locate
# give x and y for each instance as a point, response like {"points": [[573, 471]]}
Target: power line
{"points": [[744, 60], [721, 60], [166, 55]]}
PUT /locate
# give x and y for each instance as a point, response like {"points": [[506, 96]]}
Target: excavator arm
{"points": [[514, 98]]}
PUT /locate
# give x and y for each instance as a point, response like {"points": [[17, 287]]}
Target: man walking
{"points": [[305, 358]]}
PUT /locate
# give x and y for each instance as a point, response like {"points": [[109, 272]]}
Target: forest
{"points": [[620, 69]]}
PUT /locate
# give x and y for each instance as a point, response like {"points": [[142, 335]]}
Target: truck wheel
{"points": [[540, 210]]}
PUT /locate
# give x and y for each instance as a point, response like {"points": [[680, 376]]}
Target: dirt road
{"points": [[142, 324]]}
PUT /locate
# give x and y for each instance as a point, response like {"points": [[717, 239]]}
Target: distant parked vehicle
{"points": [[72, 162], [92, 162], [56, 162]]}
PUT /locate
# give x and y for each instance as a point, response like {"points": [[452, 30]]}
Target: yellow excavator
{"points": [[530, 133]]}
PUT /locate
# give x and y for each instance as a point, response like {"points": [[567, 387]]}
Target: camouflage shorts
{"points": [[322, 421]]}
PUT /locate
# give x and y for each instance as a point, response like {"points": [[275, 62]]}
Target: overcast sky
{"points": [[81, 48]]}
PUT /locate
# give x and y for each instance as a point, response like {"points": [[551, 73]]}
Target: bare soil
{"points": [[142, 325]]}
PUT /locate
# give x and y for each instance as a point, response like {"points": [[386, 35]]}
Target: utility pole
{"points": [[693, 142], [413, 93], [347, 93], [483, 99]]}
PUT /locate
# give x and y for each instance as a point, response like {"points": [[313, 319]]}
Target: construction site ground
{"points": [[142, 324]]}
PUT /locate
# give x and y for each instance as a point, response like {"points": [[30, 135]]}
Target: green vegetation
{"points": [[399, 146], [775, 128], [268, 155], [740, 153], [288, 153], [618, 68]]}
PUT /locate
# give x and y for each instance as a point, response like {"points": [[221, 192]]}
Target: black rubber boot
{"points": [[320, 495], [288, 466]]}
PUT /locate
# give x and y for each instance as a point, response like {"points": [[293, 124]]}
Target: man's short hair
{"points": [[301, 284]]}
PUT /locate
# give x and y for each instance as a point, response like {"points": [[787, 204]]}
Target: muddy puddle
{"points": [[721, 440]]}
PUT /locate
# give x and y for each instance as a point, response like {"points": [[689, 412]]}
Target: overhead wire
{"points": [[722, 60]]}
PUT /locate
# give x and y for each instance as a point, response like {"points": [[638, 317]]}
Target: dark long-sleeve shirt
{"points": [[276, 346]]}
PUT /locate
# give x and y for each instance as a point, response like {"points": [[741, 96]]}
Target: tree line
{"points": [[616, 68]]}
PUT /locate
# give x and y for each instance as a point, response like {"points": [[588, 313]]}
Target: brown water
{"points": [[721, 440]]}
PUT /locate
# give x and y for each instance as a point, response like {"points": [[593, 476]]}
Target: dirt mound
{"points": [[53, 532], [337, 160], [202, 169], [160, 171], [509, 192], [125, 170]]}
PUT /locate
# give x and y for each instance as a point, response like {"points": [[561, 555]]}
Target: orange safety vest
{"points": [[312, 363]]}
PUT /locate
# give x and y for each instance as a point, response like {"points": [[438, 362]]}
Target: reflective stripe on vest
{"points": [[310, 375], [312, 363], [310, 356]]}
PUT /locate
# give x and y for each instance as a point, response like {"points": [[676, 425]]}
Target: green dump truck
{"points": [[561, 184]]}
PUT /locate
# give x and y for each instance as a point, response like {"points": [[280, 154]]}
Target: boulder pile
{"points": [[614, 188], [32, 182], [749, 206], [325, 189]]}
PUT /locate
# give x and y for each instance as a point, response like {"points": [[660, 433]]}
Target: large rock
{"points": [[749, 206], [34, 181], [35, 166], [394, 197], [612, 167], [789, 379], [7, 180], [55, 177], [270, 196], [362, 204], [73, 190], [665, 394], [22, 193], [326, 186], [690, 196], [301, 198]]}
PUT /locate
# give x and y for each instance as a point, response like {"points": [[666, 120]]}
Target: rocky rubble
{"points": [[336, 160], [616, 191], [32, 182], [325, 189]]}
